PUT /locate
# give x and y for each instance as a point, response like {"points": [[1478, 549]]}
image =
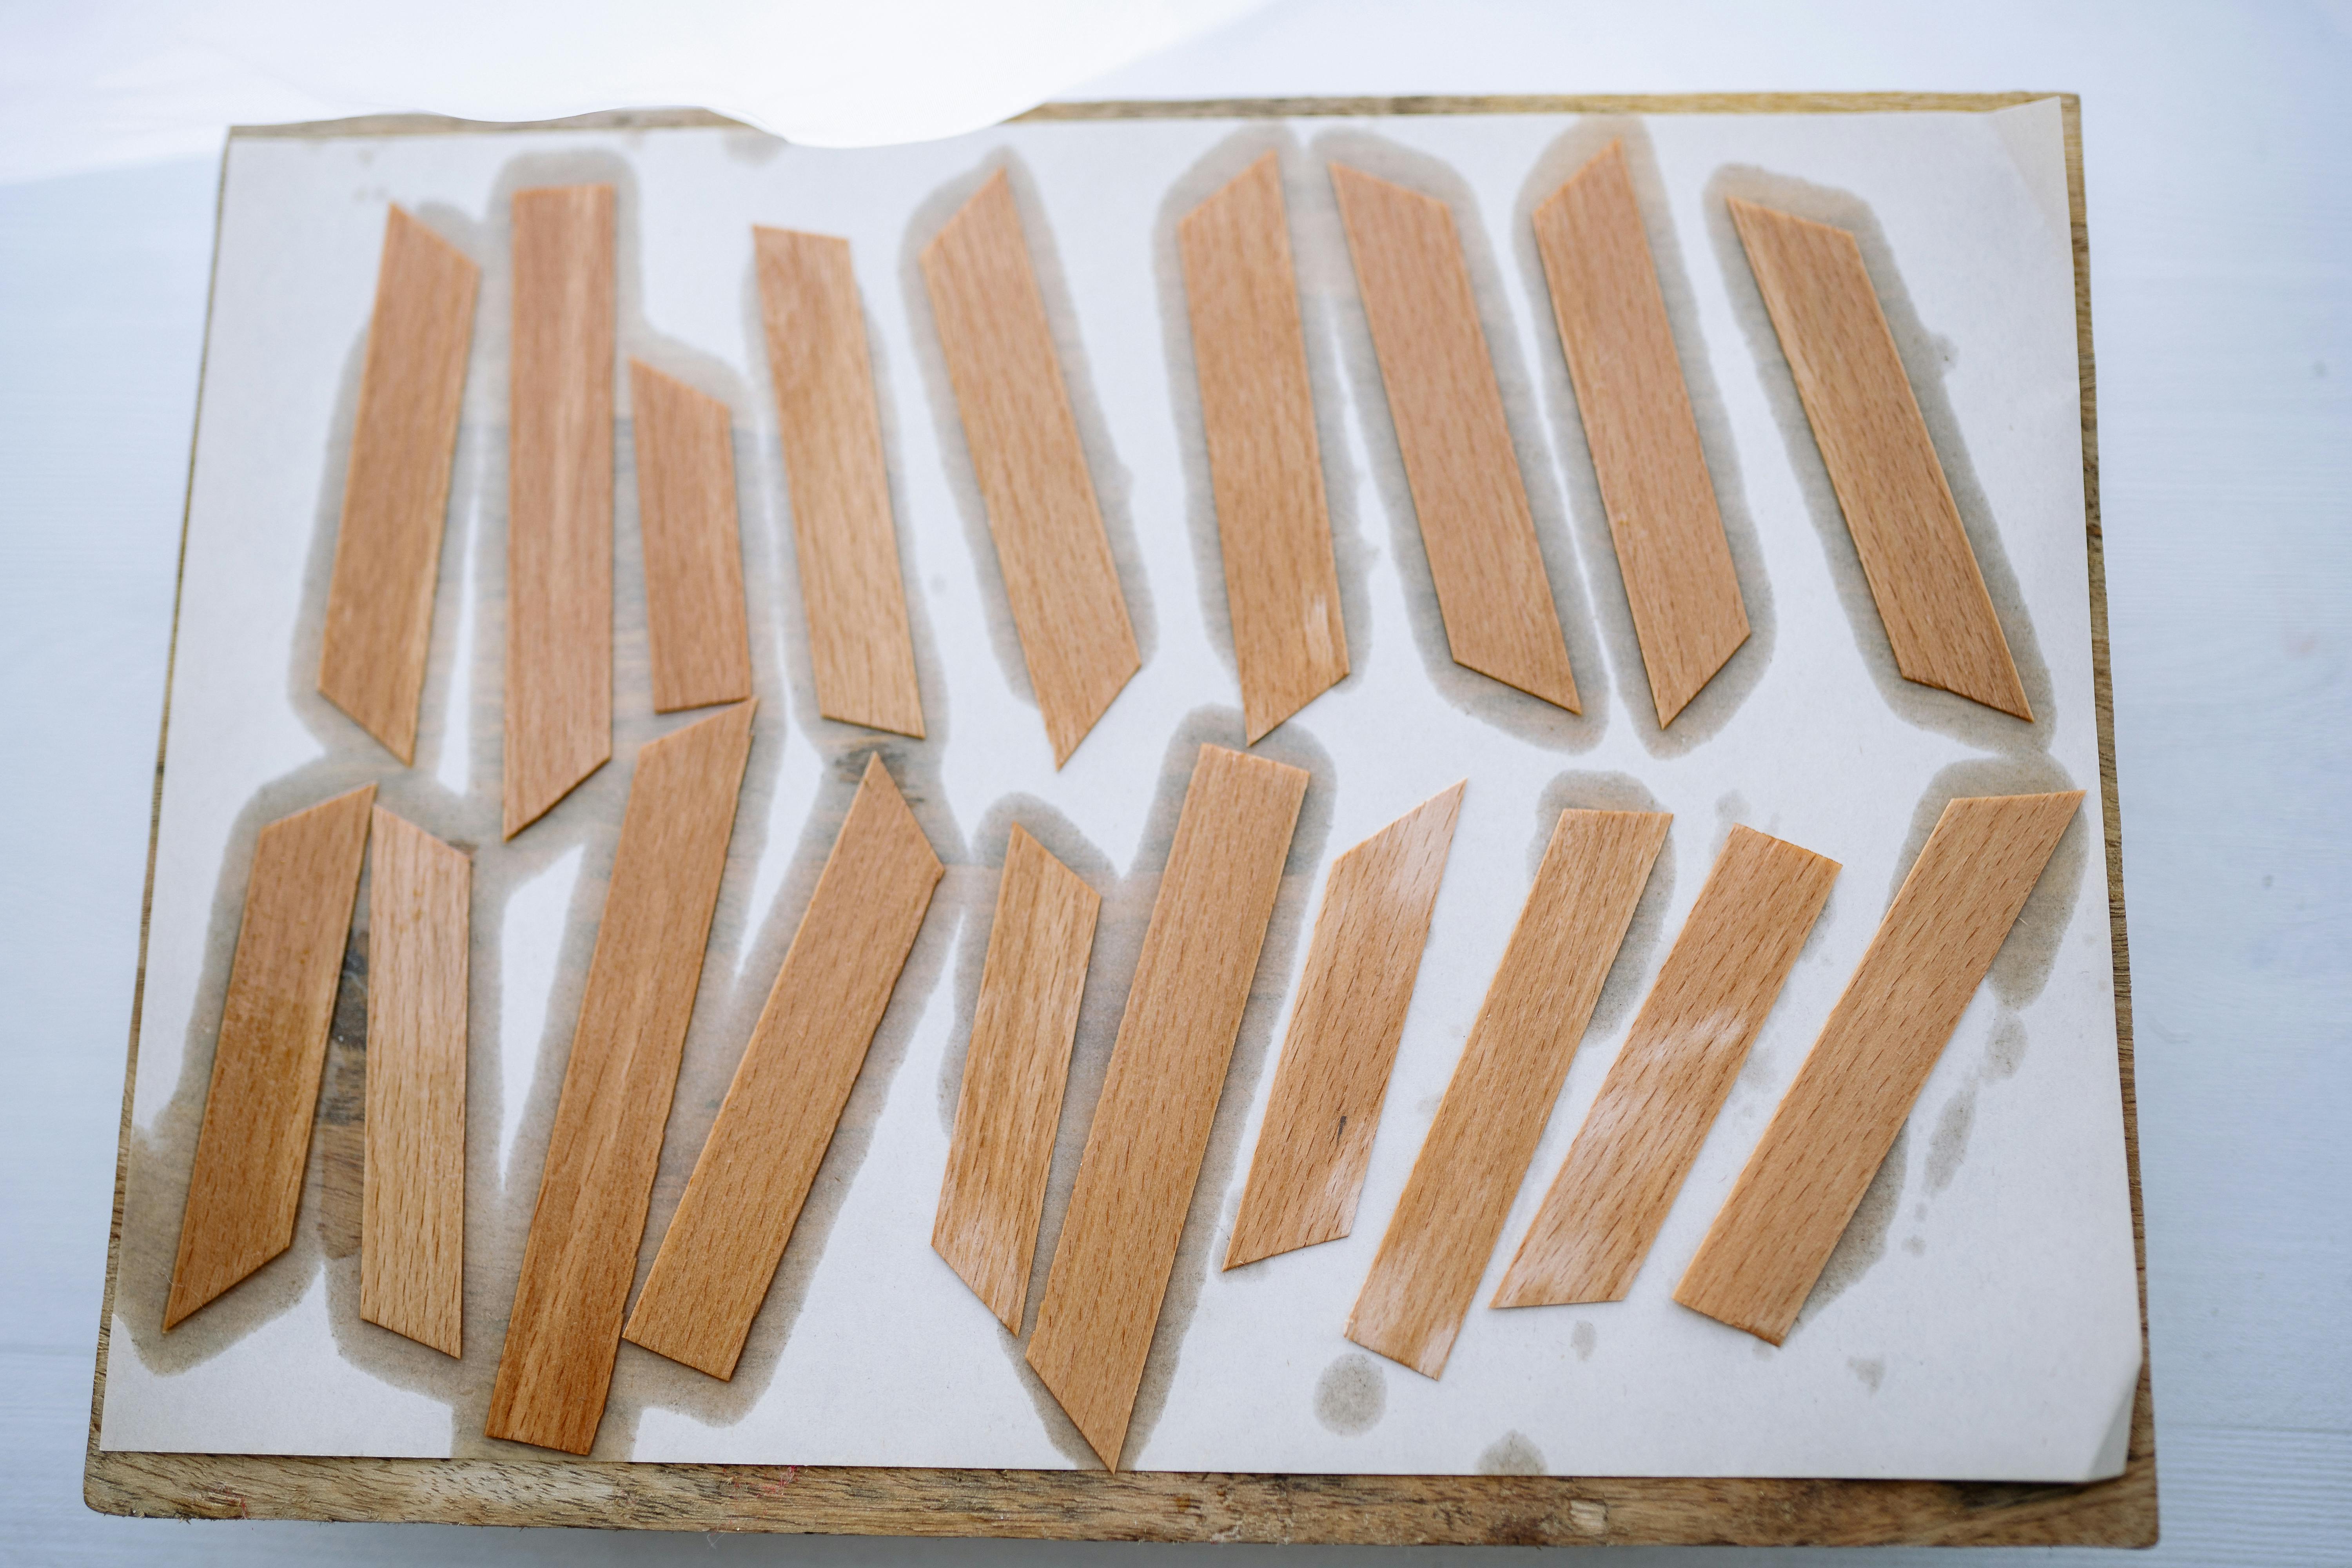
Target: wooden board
{"points": [[1672, 1075], [565, 1330], [1459, 463], [1316, 1136], [1605, 299], [694, 560], [1059, 577], [413, 1191], [396, 487], [1833, 1129], [722, 1246], [860, 651], [1014, 1071], [1866, 419], [246, 1180], [1159, 1094], [1266, 463]]}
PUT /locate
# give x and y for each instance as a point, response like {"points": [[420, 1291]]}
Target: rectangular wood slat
{"points": [[754, 1175], [1833, 1129], [1671, 1076], [565, 1330], [1151, 1124], [694, 557], [379, 626], [1460, 1192], [246, 1181]]}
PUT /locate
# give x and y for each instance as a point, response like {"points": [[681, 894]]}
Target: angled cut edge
{"points": [[694, 559]]}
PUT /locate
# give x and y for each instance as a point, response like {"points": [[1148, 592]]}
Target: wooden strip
{"points": [[1866, 419], [565, 1329], [246, 1181], [1459, 463], [1679, 580], [694, 558], [413, 1196], [1493, 1115], [1317, 1138], [860, 651], [559, 719], [1159, 1094], [752, 1176], [379, 624], [1058, 575], [1015, 1072], [1266, 463], [1833, 1129], [1671, 1078]]}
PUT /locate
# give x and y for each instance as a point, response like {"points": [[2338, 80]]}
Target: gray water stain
{"points": [[1871, 1369], [2005, 1047], [1948, 1144], [1597, 790], [1864, 1242], [1583, 1338], [1351, 1395], [1512, 1454]]}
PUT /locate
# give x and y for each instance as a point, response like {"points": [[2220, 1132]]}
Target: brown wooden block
{"points": [[694, 560]]}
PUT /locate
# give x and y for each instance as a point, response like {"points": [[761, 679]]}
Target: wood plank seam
{"points": [[695, 629]]}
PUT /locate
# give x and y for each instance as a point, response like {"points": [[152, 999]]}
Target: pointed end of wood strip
{"points": [[1524, 1284], [1264, 168], [1670, 700], [521, 810], [418, 1334], [1771, 1334], [1064, 731], [2001, 695], [385, 729], [1602, 164], [876, 778], [414, 230], [1104, 1437], [908, 724], [1427, 1360], [1006, 1311], [1551, 681], [997, 187]]}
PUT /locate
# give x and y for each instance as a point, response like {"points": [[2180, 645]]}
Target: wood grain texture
{"points": [[860, 651], [1316, 1136], [1159, 1094], [1059, 577], [1672, 1075], [1492, 589], [1676, 565], [565, 1330], [558, 715], [1266, 462], [1015, 1072], [1833, 1129], [413, 1196], [694, 558], [1898, 507], [246, 1181], [723, 1247], [1470, 1166], [379, 624]]}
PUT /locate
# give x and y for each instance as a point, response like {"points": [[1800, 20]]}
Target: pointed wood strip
{"points": [[396, 488], [1833, 1129], [860, 649], [1459, 463], [1058, 575], [1014, 1071], [1266, 463], [1866, 419], [413, 1196], [566, 1327], [1159, 1094], [246, 1182], [1316, 1136], [559, 718], [1679, 580], [1487, 1126], [721, 1251], [1671, 1078], [694, 559]]}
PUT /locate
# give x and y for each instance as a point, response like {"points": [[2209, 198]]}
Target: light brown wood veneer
{"points": [[694, 557]]}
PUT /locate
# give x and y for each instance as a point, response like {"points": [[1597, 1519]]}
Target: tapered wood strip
{"points": [[1833, 1129], [1470, 1166], [565, 1329], [694, 560], [1671, 1078], [1159, 1093], [1317, 1138], [1266, 463], [860, 651], [246, 1182], [1492, 588], [1058, 573], [559, 719], [752, 1176], [1881, 461], [1676, 565], [1014, 1075], [396, 487], [413, 1196]]}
